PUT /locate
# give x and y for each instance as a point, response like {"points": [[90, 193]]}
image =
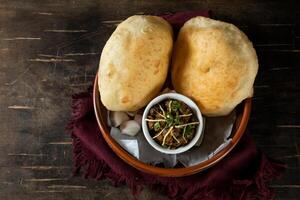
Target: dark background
{"points": [[50, 49]]}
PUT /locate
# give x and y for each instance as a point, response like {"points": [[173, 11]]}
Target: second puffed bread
{"points": [[215, 64]]}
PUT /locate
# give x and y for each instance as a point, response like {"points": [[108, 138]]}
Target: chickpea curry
{"points": [[172, 124]]}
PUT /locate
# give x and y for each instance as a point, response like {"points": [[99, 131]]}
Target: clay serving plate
{"points": [[243, 113]]}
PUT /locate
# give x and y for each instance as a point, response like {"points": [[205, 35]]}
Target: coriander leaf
{"points": [[156, 126], [169, 119], [175, 105], [188, 129]]}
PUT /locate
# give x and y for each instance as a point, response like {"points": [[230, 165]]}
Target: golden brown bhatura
{"points": [[215, 64]]}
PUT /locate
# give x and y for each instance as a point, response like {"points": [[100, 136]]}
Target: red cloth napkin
{"points": [[243, 174]]}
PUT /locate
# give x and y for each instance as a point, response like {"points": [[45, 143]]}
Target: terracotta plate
{"points": [[243, 113]]}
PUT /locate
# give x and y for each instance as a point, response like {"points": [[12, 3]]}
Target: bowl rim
{"points": [[188, 102], [168, 172]]}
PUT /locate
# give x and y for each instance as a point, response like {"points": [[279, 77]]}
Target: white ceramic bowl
{"points": [[188, 102]]}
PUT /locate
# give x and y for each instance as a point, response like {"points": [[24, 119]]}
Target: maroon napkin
{"points": [[179, 18], [243, 174]]}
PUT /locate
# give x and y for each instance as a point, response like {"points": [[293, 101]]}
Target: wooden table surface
{"points": [[50, 49]]}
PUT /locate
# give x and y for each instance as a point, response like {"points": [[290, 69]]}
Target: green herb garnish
{"points": [[156, 126], [169, 119], [173, 123], [175, 106], [188, 130]]}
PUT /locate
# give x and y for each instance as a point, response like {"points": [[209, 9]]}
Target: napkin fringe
{"points": [[98, 169], [255, 188], [239, 189], [94, 168], [269, 169], [91, 167]]}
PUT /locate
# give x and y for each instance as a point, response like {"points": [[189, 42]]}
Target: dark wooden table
{"points": [[50, 49]]}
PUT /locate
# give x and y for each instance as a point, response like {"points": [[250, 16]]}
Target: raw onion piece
{"points": [[117, 118], [130, 127]]}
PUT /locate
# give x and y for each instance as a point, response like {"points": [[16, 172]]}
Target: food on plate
{"points": [[127, 123], [134, 63], [215, 64], [171, 123], [130, 127], [117, 118]]}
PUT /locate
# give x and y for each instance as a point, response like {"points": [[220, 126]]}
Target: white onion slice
{"points": [[117, 118], [130, 127]]}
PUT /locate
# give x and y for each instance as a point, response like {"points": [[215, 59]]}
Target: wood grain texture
{"points": [[50, 49]]}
